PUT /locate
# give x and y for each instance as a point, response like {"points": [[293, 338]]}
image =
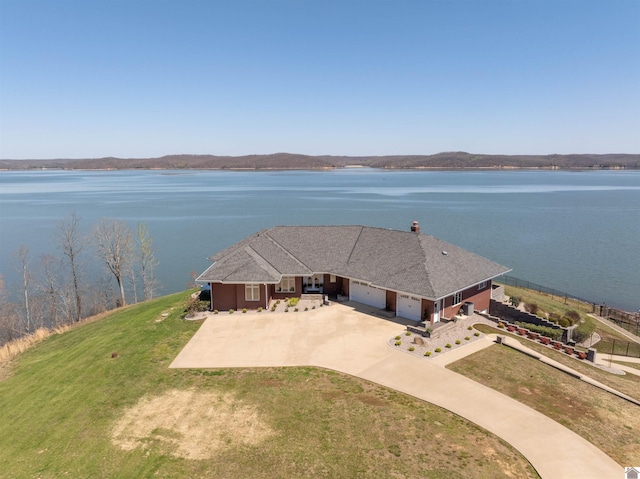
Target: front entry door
{"points": [[436, 311], [314, 283]]}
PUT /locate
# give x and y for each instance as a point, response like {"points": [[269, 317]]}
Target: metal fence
{"points": [[624, 319]]}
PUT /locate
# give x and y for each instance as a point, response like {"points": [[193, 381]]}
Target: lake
{"points": [[573, 231]]}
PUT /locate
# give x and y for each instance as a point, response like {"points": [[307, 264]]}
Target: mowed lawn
{"points": [[607, 421], [70, 409]]}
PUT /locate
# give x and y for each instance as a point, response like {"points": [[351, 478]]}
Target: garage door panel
{"points": [[363, 293], [409, 307]]}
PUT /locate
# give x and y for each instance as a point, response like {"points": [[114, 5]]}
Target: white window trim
{"points": [[457, 298], [482, 285], [252, 292], [287, 284]]}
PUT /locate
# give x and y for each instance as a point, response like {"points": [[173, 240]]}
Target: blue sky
{"points": [[143, 78]]}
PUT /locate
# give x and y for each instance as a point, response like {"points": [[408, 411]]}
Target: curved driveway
{"points": [[342, 339]]}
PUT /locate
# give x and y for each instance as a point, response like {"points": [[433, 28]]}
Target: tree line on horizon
{"points": [[56, 291], [446, 160]]}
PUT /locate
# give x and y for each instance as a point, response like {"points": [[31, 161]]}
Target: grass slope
{"points": [[607, 421], [63, 398]]}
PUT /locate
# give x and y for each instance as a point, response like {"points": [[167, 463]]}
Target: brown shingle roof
{"points": [[397, 260]]}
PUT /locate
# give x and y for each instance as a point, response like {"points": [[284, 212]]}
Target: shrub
{"points": [[565, 322], [215, 311], [514, 301], [574, 316], [554, 317], [447, 345], [427, 354], [293, 302], [277, 301], [408, 333], [260, 309], [437, 350], [398, 343], [470, 328], [531, 308], [286, 310], [501, 324], [544, 330], [306, 309], [313, 307], [194, 305], [467, 338], [476, 334], [244, 310], [295, 310], [397, 338], [411, 348], [457, 341], [273, 308], [231, 311]]}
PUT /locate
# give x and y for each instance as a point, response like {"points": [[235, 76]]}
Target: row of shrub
{"points": [[552, 333]]}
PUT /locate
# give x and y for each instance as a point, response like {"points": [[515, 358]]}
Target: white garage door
{"points": [[363, 293], [409, 307]]}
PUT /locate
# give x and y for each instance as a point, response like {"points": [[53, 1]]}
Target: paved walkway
{"points": [[342, 339]]}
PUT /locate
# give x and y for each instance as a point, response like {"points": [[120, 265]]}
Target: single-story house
{"points": [[415, 275]]}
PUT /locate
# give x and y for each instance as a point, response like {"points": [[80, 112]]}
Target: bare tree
{"points": [[72, 246], [115, 246], [147, 261], [22, 264], [9, 319], [49, 288]]}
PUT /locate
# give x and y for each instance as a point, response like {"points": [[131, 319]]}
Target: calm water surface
{"points": [[574, 231]]}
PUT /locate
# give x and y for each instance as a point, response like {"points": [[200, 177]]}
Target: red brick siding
{"points": [[480, 299]]}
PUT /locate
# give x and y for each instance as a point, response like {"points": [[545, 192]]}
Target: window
{"points": [[287, 284], [252, 292], [332, 278], [482, 285], [457, 298]]}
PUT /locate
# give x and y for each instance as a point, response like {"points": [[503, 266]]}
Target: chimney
{"points": [[415, 227]]}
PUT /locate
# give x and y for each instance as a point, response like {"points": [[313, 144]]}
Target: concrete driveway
{"points": [[343, 339]]}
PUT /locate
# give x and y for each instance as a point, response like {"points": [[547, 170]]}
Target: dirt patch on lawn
{"points": [[190, 424]]}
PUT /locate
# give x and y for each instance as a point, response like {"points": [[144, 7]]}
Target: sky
{"points": [[146, 78]]}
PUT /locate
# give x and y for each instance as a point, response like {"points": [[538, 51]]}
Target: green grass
{"points": [[609, 422], [62, 399], [628, 384]]}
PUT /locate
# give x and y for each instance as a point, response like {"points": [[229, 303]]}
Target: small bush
{"points": [[470, 328], [448, 346], [398, 343], [306, 309], [584, 330], [554, 317], [467, 338], [427, 354], [313, 307], [476, 334], [277, 301], [260, 309], [501, 325], [574, 316], [295, 310], [397, 338], [244, 310], [437, 350], [514, 301], [565, 322], [273, 308], [457, 341], [293, 302], [286, 310], [215, 311], [531, 308], [408, 333], [231, 311], [411, 348]]}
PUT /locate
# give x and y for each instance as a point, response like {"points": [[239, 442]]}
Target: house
{"points": [[415, 275]]}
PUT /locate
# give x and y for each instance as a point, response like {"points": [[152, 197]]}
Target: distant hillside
{"points": [[448, 160]]}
